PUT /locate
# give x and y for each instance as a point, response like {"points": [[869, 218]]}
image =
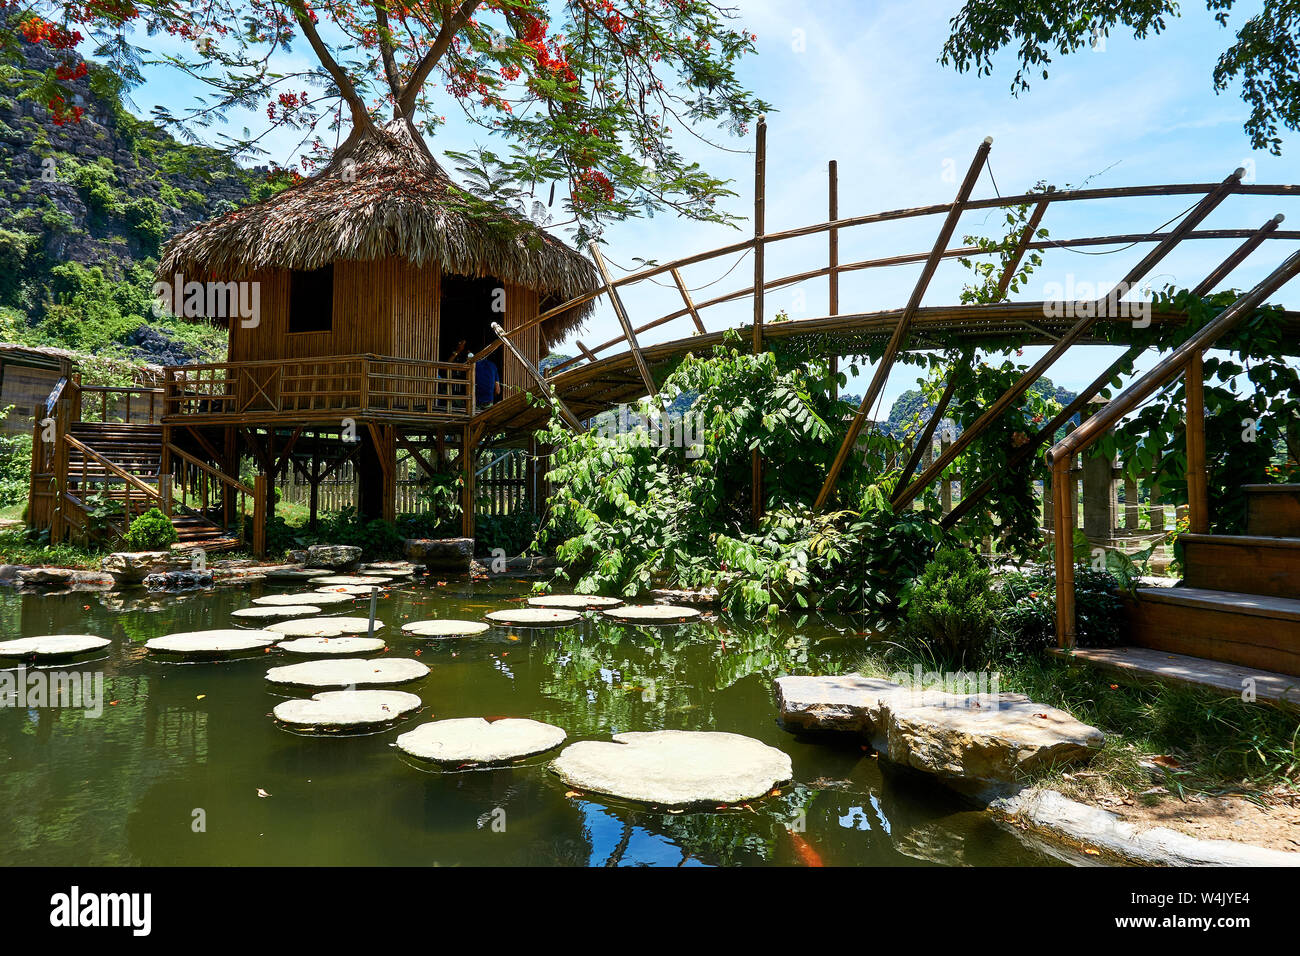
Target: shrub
{"points": [[512, 533], [1029, 608], [152, 531], [952, 612]]}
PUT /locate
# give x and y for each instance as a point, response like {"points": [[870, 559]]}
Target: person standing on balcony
{"points": [[487, 383]]}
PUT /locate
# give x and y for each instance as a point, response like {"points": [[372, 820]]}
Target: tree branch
{"points": [[450, 27], [347, 89], [386, 51]]}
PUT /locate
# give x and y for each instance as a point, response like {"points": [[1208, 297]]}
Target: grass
{"points": [[1218, 744], [16, 549]]}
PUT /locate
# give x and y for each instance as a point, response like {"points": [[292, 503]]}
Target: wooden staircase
{"points": [[1239, 602]]}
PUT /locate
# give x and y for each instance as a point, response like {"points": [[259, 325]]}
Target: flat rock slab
{"points": [[310, 599], [401, 568], [533, 617], [444, 628], [324, 626], [354, 590], [473, 740], [576, 602], [274, 612], [675, 768], [347, 709], [332, 646], [51, 646], [333, 556], [348, 672], [652, 613], [296, 574], [705, 596], [981, 744], [197, 645], [353, 579]]}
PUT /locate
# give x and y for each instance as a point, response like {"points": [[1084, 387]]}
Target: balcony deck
{"points": [[325, 389]]}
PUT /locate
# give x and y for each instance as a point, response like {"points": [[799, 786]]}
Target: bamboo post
{"points": [[686, 300], [1198, 506], [833, 261], [629, 333], [1063, 501], [467, 447], [260, 501], [547, 391], [760, 225]]}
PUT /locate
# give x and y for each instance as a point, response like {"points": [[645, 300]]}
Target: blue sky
{"points": [[860, 83]]}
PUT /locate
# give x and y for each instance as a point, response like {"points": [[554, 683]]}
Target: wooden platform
{"points": [[1231, 679]]}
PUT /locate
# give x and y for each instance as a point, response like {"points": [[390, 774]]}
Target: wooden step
{"points": [[1234, 627], [1248, 564], [1230, 679], [1273, 510]]}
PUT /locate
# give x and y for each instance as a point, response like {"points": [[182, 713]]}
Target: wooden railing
{"points": [[1185, 360], [132, 405], [321, 387], [196, 487]]}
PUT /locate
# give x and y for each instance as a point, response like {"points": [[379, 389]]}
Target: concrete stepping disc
{"points": [[346, 709], [208, 644], [478, 741], [576, 602], [54, 646], [332, 646], [390, 567], [349, 579], [351, 589], [324, 626], [272, 613], [675, 768], [348, 672], [444, 628], [302, 600], [295, 574], [652, 613], [533, 617]]}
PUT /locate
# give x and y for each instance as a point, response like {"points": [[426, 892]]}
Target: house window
{"points": [[311, 300]]}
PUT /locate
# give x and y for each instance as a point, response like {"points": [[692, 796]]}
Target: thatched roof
{"points": [[383, 194]]}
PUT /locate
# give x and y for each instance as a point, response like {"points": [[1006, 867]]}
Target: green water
{"points": [[181, 743]]}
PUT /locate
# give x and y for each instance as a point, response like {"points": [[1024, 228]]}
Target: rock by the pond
{"points": [[473, 740], [675, 768], [441, 554], [533, 617], [178, 580], [444, 628], [352, 589], [209, 644], [324, 626], [335, 557], [981, 744], [274, 612], [332, 646], [132, 567], [702, 596], [348, 672], [309, 599], [652, 614], [51, 646], [575, 602], [347, 709], [69, 579], [396, 568]]}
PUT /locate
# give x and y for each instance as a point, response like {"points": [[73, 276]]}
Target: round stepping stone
{"points": [[324, 626], [577, 602], [347, 579], [54, 646], [346, 709], [296, 574], [444, 628], [197, 645], [390, 567], [332, 646], [533, 617], [652, 613], [301, 600], [272, 613], [478, 741], [352, 589], [675, 768], [348, 672]]}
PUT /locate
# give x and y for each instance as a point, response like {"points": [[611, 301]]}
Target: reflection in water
{"points": [[172, 771]]}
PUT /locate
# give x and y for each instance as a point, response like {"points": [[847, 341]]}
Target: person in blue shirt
{"points": [[487, 383]]}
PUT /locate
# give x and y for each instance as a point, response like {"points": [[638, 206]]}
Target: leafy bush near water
{"points": [[151, 531], [953, 610]]}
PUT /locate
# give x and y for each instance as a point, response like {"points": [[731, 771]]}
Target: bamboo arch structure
{"points": [[621, 369]]}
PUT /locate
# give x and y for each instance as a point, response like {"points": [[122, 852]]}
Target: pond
{"points": [[174, 770]]}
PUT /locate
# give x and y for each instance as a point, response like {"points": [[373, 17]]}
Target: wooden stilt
{"points": [[468, 446], [1198, 506], [760, 225], [833, 261]]}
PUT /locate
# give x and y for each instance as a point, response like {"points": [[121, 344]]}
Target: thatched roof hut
{"points": [[383, 195]]}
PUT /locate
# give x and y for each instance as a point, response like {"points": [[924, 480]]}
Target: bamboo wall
{"points": [[521, 306]]}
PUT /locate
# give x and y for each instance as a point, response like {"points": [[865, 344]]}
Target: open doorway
{"points": [[465, 328]]}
